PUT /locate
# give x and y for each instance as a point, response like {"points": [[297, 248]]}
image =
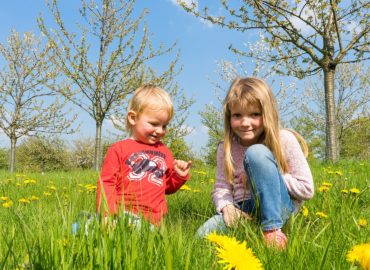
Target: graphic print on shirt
{"points": [[143, 166]]}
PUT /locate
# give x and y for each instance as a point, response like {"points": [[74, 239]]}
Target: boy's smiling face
{"points": [[150, 126]]}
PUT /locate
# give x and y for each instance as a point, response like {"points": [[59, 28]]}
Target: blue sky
{"points": [[201, 46]]}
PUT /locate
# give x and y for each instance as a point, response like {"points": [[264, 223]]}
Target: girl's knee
{"points": [[258, 153]]}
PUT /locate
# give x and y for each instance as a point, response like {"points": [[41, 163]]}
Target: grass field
{"points": [[37, 212]]}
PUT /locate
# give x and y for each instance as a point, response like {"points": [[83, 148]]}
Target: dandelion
{"points": [[7, 204], [185, 187], [29, 181], [53, 187], [327, 184], [3, 198], [63, 242], [24, 200], [34, 198], [338, 173], [362, 222], [47, 193], [90, 187], [345, 191], [321, 215], [324, 188], [304, 211], [233, 253], [361, 255], [354, 190]]}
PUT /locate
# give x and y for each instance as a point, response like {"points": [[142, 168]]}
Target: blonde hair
{"points": [[246, 92], [149, 96]]}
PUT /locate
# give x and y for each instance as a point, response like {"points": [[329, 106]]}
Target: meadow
{"points": [[37, 211]]}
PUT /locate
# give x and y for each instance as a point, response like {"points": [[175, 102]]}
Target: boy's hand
{"points": [[181, 167]]}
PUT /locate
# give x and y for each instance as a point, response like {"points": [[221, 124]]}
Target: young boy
{"points": [[137, 172]]}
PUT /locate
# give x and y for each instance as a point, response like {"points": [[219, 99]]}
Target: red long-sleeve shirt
{"points": [[138, 176]]}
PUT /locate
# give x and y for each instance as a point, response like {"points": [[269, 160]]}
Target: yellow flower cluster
{"points": [[187, 188], [234, 254], [360, 254]]}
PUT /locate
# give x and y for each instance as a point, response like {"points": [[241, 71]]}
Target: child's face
{"points": [[150, 126], [247, 123]]}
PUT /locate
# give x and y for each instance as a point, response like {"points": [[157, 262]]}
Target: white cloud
{"points": [[188, 3], [191, 4], [299, 23]]}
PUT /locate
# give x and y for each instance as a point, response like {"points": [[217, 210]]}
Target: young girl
{"points": [[261, 168]]}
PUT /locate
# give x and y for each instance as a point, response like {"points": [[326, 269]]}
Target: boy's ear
{"points": [[132, 117]]}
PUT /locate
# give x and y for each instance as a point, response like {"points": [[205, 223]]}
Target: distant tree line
{"points": [[94, 67]]}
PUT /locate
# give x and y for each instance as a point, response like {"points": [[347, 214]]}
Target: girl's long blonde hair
{"points": [[246, 92]]}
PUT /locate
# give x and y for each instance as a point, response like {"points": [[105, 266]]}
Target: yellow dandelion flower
{"points": [[361, 255], [196, 190], [53, 187], [321, 215], [324, 188], [345, 191], [47, 193], [27, 181], [4, 198], [7, 204], [63, 242], [338, 173], [362, 222], [327, 184], [234, 254], [185, 187], [34, 198], [24, 200], [32, 181], [18, 184], [304, 211], [354, 190]]}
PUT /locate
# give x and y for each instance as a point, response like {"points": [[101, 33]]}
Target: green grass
{"points": [[36, 233]]}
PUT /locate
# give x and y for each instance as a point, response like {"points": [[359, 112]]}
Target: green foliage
{"points": [[36, 233], [82, 154], [179, 149], [4, 153], [43, 154], [355, 143], [124, 48]]}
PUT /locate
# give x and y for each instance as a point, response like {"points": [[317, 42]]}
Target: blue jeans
{"points": [[270, 203]]}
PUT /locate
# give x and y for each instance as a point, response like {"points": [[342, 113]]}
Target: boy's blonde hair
{"points": [[149, 96], [246, 92]]}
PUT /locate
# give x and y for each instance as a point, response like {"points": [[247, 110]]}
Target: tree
{"points": [[352, 98], [212, 114], [43, 154], [360, 134], [100, 79], [27, 105], [309, 36]]}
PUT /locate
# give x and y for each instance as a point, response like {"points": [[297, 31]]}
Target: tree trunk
{"points": [[332, 149], [13, 142], [98, 150]]}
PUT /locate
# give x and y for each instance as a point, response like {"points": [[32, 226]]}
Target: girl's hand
{"points": [[232, 215], [181, 167]]}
